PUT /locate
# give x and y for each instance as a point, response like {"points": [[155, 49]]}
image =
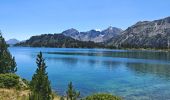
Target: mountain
{"points": [[12, 41], [59, 41], [145, 34], [93, 35], [111, 32]]}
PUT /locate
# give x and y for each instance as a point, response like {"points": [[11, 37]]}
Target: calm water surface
{"points": [[131, 74]]}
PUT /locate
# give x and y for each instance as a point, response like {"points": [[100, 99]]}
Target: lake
{"points": [[131, 74]]}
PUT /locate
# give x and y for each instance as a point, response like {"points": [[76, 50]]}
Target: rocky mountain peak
{"points": [[112, 30], [71, 32]]}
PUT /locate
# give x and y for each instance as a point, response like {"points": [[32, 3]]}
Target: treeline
{"points": [[58, 41], [62, 41]]}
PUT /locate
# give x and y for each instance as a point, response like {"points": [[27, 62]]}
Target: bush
{"points": [[9, 80], [102, 97]]}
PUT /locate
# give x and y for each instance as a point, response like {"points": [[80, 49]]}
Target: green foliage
{"points": [[102, 97], [62, 98], [40, 85], [9, 81], [72, 94], [13, 65], [7, 62]]}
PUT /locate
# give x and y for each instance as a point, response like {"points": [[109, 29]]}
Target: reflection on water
{"points": [[155, 69], [125, 54], [141, 75]]}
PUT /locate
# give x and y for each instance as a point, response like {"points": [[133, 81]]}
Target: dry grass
{"points": [[56, 98], [13, 94]]}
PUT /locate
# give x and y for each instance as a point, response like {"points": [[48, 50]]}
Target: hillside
{"points": [[146, 34], [59, 41]]}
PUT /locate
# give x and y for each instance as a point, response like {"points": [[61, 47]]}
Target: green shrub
{"points": [[102, 97], [9, 80]]}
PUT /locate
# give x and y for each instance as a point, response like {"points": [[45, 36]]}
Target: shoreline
{"points": [[141, 49]]}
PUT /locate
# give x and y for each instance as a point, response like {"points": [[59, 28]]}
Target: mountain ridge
{"points": [[93, 35], [58, 41], [144, 34]]}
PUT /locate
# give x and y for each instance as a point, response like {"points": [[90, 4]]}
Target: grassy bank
{"points": [[14, 94]]}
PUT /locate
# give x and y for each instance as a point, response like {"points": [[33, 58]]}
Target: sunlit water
{"points": [[133, 75]]}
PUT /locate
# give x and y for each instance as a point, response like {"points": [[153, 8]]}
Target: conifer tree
{"points": [[13, 65], [62, 98], [72, 94], [40, 85], [7, 62]]}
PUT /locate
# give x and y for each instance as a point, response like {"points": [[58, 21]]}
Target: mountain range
{"points": [[93, 35], [143, 34]]}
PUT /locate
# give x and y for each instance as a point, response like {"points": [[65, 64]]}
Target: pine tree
{"points": [[7, 62], [62, 98], [13, 65], [40, 85], [72, 94]]}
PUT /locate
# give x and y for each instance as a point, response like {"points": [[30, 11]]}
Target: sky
{"points": [[22, 19]]}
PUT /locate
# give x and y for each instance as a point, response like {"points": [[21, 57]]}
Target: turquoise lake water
{"points": [[131, 74]]}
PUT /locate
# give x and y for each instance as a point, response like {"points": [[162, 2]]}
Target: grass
{"points": [[102, 96], [12, 87], [14, 94]]}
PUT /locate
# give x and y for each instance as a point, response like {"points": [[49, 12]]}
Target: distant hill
{"points": [[146, 34], [59, 41], [12, 41], [93, 35]]}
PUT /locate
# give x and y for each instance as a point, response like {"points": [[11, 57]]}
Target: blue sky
{"points": [[23, 18]]}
